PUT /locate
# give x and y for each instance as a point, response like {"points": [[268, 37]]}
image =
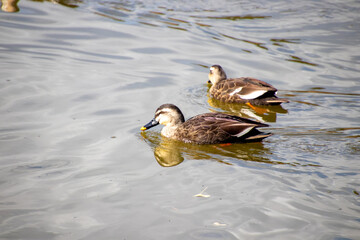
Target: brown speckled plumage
{"points": [[241, 90], [207, 128]]}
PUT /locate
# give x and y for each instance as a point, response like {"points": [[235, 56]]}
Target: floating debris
{"points": [[202, 195], [218, 224]]}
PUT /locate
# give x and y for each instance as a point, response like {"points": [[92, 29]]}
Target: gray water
{"points": [[79, 78]]}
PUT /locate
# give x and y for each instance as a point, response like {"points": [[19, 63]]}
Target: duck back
{"points": [[211, 128]]}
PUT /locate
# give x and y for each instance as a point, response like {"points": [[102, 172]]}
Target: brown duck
{"points": [[207, 128], [241, 90]]}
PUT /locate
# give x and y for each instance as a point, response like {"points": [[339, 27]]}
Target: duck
{"points": [[241, 90], [206, 128]]}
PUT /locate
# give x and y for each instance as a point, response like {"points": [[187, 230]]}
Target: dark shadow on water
{"points": [[169, 153], [296, 59], [317, 91], [236, 18]]}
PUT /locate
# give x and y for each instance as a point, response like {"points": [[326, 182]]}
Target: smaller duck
{"points": [[241, 90], [207, 128]]}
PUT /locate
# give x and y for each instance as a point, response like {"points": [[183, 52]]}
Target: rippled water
{"points": [[79, 78]]}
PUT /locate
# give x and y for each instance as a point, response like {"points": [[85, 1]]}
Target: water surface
{"points": [[79, 78]]}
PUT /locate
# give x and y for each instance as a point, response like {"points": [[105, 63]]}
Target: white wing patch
{"points": [[245, 131], [236, 91], [253, 95]]}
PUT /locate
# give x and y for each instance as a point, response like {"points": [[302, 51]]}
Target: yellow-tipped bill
{"points": [[151, 124]]}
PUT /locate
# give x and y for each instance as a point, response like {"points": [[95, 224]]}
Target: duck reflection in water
{"points": [[169, 153], [9, 5], [260, 113], [165, 151]]}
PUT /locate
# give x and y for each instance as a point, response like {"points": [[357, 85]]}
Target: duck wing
{"points": [[217, 128], [246, 88], [233, 125]]}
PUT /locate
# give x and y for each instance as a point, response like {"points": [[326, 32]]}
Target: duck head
{"points": [[216, 74], [166, 114]]}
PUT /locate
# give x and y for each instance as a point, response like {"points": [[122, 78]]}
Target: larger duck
{"points": [[207, 128], [241, 90]]}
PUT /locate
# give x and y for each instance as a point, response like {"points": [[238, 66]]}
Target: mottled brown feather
{"points": [[210, 128]]}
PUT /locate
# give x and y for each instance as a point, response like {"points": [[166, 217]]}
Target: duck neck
{"points": [[169, 130], [172, 124], [222, 76], [171, 127], [219, 79]]}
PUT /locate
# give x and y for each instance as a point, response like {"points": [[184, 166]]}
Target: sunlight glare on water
{"points": [[79, 78]]}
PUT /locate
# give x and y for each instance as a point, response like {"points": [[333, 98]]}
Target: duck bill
{"points": [[151, 124]]}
